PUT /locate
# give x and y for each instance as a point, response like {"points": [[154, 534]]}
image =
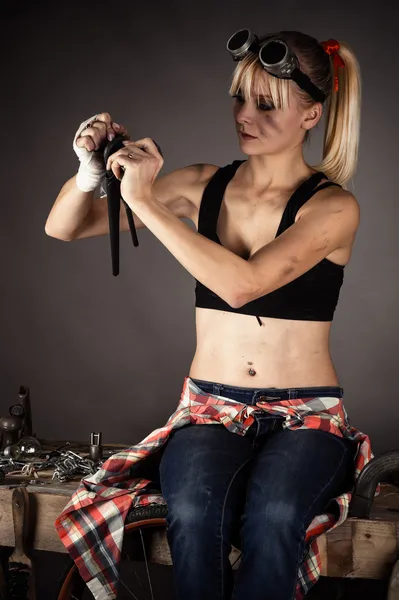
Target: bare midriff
{"points": [[233, 349]]}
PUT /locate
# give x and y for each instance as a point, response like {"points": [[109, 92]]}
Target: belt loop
{"points": [[292, 393], [216, 389]]}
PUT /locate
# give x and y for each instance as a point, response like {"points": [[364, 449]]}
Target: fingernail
{"points": [[111, 136], [116, 125]]}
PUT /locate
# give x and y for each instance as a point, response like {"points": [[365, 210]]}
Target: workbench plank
{"points": [[364, 548], [44, 510]]}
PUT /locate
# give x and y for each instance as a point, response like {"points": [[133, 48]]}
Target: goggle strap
{"points": [[306, 84]]}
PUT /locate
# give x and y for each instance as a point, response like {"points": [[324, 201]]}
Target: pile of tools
{"points": [[21, 452]]}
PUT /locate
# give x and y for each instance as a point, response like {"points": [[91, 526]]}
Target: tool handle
{"points": [[25, 400], [114, 198], [20, 511]]}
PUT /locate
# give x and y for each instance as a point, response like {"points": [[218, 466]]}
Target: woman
{"points": [[274, 236]]}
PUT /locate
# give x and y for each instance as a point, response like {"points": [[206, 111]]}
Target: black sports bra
{"points": [[311, 297]]}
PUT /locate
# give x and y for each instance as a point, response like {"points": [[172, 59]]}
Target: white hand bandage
{"points": [[92, 167]]}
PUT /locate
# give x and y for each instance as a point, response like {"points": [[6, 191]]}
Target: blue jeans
{"points": [[260, 491]]}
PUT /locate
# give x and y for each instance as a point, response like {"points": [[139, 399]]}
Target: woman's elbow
{"points": [[58, 235]]}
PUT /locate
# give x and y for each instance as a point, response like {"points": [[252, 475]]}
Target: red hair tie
{"points": [[332, 47]]}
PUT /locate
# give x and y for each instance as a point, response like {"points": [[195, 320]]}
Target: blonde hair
{"points": [[343, 107]]}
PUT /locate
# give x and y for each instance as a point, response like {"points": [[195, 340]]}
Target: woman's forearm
{"points": [[69, 211], [222, 271]]}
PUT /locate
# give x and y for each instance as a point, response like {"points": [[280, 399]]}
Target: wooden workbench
{"points": [[366, 548]]}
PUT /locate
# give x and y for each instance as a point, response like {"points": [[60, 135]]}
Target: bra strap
{"points": [[212, 200]]}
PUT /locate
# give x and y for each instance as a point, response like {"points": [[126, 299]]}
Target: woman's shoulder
{"points": [[195, 178], [201, 175], [207, 171]]}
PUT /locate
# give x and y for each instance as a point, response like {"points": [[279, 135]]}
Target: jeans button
{"points": [[262, 398]]}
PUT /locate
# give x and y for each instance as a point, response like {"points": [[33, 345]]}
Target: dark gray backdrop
{"points": [[109, 354]]}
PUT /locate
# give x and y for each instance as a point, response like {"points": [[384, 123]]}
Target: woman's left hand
{"points": [[139, 170]]}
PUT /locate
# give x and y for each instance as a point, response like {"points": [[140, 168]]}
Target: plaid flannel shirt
{"points": [[91, 526]]}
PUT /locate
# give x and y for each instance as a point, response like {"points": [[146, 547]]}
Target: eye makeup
{"points": [[266, 106], [263, 106]]}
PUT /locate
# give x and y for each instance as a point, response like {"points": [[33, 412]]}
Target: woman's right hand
{"points": [[89, 143], [102, 129]]}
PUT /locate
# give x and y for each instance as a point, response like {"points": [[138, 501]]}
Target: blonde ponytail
{"points": [[342, 130]]}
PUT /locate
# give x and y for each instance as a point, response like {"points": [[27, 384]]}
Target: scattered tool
{"points": [[95, 447], [24, 398], [16, 437], [20, 578], [10, 426]]}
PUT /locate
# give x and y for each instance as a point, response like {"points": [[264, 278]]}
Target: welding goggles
{"points": [[276, 58]]}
